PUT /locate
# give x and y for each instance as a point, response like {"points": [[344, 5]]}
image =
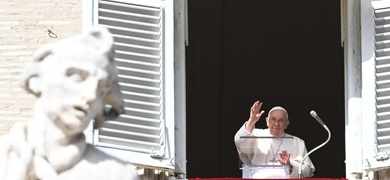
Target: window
{"points": [[143, 33], [376, 84]]}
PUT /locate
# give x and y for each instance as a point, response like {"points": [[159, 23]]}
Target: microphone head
{"points": [[313, 113]]}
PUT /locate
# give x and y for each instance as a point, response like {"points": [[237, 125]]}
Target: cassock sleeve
{"points": [[245, 146], [299, 152]]}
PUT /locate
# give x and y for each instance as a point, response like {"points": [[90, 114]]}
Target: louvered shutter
{"points": [[382, 80], [144, 134]]}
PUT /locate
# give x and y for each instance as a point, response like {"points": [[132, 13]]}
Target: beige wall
{"points": [[24, 27]]}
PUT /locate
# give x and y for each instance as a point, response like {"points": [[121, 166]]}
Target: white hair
{"points": [[276, 108]]}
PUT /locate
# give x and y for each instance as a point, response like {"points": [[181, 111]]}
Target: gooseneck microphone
{"points": [[315, 116]]}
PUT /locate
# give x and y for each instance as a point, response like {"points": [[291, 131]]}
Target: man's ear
{"points": [[266, 120], [30, 79], [287, 123]]}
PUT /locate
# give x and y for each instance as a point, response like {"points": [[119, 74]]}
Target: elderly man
{"points": [[257, 152], [75, 82]]}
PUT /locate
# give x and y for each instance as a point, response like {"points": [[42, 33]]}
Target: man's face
{"points": [[73, 90], [277, 122]]}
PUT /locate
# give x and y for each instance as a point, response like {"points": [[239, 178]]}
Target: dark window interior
{"points": [[280, 52]]}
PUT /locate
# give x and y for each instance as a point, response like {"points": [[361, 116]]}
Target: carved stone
{"points": [[74, 81]]}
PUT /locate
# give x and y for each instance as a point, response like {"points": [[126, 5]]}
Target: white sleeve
{"points": [[307, 171], [245, 147], [307, 166]]}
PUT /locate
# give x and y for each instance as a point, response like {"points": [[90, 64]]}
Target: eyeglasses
{"points": [[280, 121]]}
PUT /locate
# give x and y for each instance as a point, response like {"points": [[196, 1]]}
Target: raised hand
{"points": [[254, 115]]}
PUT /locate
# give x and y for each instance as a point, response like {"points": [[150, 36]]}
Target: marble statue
{"points": [[75, 82]]}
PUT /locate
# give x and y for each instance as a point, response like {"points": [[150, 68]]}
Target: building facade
{"points": [[26, 26]]}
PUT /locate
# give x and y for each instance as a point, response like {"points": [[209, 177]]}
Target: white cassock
{"points": [[263, 151]]}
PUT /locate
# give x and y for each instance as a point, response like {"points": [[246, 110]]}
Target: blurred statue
{"points": [[74, 81]]}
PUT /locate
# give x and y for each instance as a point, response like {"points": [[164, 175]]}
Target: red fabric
{"points": [[263, 179]]}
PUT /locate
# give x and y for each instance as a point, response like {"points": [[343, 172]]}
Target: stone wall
{"points": [[26, 25]]}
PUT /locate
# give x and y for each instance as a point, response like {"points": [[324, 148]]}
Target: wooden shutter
{"points": [[142, 33], [382, 80]]}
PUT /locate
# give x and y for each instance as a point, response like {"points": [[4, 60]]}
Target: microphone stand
{"points": [[314, 114]]}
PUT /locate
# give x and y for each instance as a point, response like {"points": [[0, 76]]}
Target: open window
{"points": [[144, 36], [376, 84]]}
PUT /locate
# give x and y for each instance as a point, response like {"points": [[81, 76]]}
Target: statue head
{"points": [[75, 80]]}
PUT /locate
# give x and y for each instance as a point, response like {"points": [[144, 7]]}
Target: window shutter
{"points": [[382, 80], [142, 32]]}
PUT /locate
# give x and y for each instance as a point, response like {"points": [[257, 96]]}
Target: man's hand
{"points": [[284, 158], [254, 115]]}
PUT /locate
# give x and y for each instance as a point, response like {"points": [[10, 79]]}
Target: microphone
{"points": [[315, 116]]}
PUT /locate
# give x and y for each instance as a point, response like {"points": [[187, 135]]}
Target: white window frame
{"points": [[175, 37], [371, 160]]}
